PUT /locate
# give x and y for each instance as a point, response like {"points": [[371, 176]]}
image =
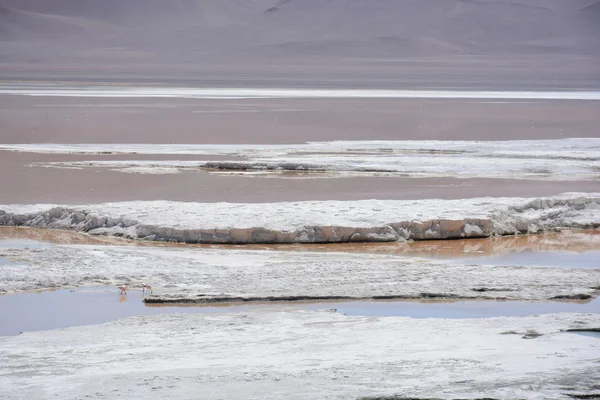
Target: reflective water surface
{"points": [[87, 306]]}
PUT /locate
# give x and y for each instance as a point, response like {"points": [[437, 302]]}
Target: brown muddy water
{"points": [[26, 312], [288, 120], [25, 119]]}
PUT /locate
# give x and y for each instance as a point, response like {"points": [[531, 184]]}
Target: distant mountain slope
{"points": [[19, 24], [591, 13], [404, 26], [184, 33]]}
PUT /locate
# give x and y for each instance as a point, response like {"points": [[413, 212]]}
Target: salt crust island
{"points": [[315, 221], [555, 159]]}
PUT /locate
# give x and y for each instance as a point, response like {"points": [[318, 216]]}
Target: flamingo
{"points": [[145, 287], [123, 289]]}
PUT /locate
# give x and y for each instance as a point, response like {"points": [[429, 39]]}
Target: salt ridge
{"points": [[316, 221]]}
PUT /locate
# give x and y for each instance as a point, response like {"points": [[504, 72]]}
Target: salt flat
{"points": [[314, 222], [299, 354]]}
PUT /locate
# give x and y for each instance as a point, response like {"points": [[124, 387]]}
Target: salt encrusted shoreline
{"points": [[315, 221], [194, 275]]}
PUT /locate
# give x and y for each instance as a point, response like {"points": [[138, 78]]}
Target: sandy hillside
{"points": [[500, 43]]}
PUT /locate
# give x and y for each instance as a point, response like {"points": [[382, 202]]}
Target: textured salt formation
{"points": [[317, 221], [210, 275], [511, 159], [514, 159], [563, 149]]}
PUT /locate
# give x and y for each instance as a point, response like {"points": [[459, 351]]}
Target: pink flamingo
{"points": [[145, 287], [123, 289]]}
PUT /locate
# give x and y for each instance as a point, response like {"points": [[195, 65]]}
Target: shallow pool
{"points": [[585, 333], [588, 259], [87, 306]]}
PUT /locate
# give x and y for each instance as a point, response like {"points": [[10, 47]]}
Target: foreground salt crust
{"points": [[316, 221], [512, 159], [300, 355], [225, 275]]}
